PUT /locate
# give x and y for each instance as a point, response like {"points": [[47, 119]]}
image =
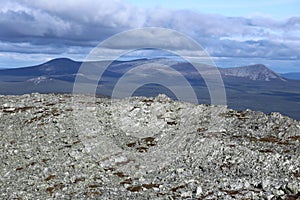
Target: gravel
{"points": [[76, 147]]}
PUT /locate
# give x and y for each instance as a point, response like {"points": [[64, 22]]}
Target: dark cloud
{"points": [[56, 26]]}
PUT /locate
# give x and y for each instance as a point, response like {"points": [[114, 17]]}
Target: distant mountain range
{"points": [[292, 75], [255, 86]]}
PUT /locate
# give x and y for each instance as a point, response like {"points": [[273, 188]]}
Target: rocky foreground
{"points": [[56, 146]]}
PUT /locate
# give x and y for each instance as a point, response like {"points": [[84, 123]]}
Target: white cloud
{"points": [[65, 26], [113, 13]]}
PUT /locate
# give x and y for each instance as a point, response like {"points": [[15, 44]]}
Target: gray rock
{"points": [[64, 147]]}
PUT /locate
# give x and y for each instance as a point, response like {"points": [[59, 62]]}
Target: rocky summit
{"points": [[59, 146]]}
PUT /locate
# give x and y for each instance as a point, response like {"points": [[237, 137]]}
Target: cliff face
{"points": [[63, 147]]}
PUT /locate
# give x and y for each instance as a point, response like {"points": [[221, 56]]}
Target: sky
{"points": [[279, 9], [32, 32]]}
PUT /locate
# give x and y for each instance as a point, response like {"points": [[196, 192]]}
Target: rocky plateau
{"points": [[63, 146]]}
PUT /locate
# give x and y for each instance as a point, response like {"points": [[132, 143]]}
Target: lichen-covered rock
{"points": [[77, 147]]}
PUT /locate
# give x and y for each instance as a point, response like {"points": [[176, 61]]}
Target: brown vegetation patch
{"points": [[55, 187], [45, 160], [79, 179], [93, 186], [148, 101], [50, 177], [295, 138], [239, 114], [16, 110], [201, 130], [150, 141], [172, 123], [126, 181], [150, 185], [266, 151], [109, 169], [297, 174], [269, 139], [142, 149], [120, 174], [231, 192], [177, 188], [132, 144], [136, 188]]}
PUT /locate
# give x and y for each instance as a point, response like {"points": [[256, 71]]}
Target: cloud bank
{"points": [[73, 28]]}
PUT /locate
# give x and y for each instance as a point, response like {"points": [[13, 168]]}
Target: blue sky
{"points": [[275, 8], [32, 32]]}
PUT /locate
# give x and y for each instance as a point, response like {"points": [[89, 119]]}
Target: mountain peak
{"points": [[257, 72], [60, 60], [59, 66]]}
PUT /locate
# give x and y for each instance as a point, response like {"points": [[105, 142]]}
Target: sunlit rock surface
{"points": [[64, 147]]}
